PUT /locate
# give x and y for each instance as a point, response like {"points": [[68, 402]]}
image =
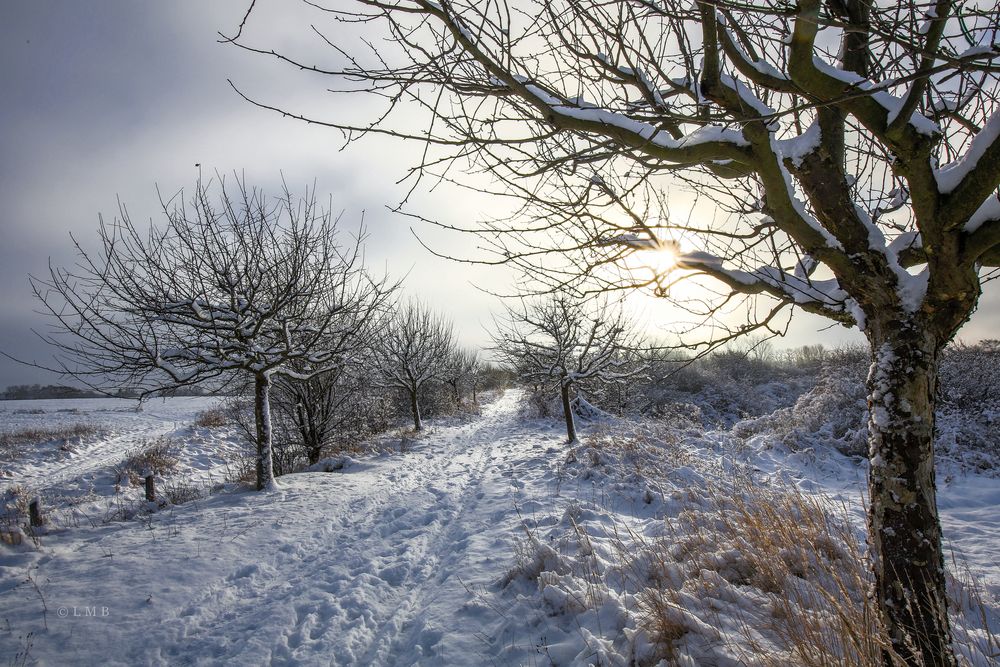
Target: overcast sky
{"points": [[114, 99]]}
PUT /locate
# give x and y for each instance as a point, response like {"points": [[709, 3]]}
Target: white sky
{"points": [[112, 99]]}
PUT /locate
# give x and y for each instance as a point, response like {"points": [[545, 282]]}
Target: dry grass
{"points": [[155, 456], [641, 449], [803, 566], [14, 507], [13, 444], [804, 561], [739, 573], [178, 493], [241, 466], [212, 418]]}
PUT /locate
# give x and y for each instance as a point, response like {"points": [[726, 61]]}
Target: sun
{"points": [[661, 259]]}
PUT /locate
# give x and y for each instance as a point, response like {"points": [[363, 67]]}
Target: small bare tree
{"points": [[233, 284], [412, 351], [557, 343], [335, 404], [460, 371], [333, 408]]}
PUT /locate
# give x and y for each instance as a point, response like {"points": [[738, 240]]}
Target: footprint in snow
{"points": [[394, 575], [429, 638], [244, 572]]}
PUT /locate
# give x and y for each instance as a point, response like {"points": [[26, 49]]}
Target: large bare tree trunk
{"points": [[904, 528], [418, 425], [262, 417], [568, 413]]}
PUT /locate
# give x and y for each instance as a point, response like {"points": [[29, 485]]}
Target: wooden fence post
{"points": [[35, 512], [150, 488]]}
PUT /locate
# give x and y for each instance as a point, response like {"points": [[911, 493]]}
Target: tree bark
{"points": [[415, 408], [904, 528], [568, 413], [262, 418]]}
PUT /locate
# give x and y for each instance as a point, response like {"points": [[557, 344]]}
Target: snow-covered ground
{"points": [[82, 466], [486, 540]]}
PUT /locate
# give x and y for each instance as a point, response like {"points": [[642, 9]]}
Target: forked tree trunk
{"points": [[262, 418], [904, 528], [568, 413], [418, 425]]}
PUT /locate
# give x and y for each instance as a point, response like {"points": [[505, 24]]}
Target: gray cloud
{"points": [[114, 98]]}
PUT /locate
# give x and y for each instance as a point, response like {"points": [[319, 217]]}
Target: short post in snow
{"points": [[150, 485], [35, 517]]}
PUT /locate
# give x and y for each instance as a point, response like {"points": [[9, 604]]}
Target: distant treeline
{"points": [[23, 392], [20, 392]]}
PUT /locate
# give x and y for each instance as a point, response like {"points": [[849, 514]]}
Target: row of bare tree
{"points": [[239, 288], [410, 369]]}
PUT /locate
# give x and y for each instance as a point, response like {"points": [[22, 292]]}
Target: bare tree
{"points": [[476, 375], [851, 151], [335, 405], [558, 344], [231, 285], [460, 371], [412, 351]]}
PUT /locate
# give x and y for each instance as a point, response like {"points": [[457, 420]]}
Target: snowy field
{"points": [[487, 540]]}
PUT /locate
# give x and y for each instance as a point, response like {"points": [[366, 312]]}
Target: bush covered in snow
{"points": [[808, 398], [833, 411], [726, 386]]}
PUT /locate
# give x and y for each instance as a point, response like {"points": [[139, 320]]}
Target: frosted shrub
{"points": [[971, 438], [970, 376], [539, 404], [833, 413], [726, 387]]}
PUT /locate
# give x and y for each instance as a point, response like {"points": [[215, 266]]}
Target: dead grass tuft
{"points": [[801, 563], [212, 418], [14, 444], [178, 493], [14, 507], [796, 555], [154, 456], [640, 450]]}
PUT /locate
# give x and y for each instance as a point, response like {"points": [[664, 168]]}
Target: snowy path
{"points": [[373, 565], [58, 474], [357, 586]]}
